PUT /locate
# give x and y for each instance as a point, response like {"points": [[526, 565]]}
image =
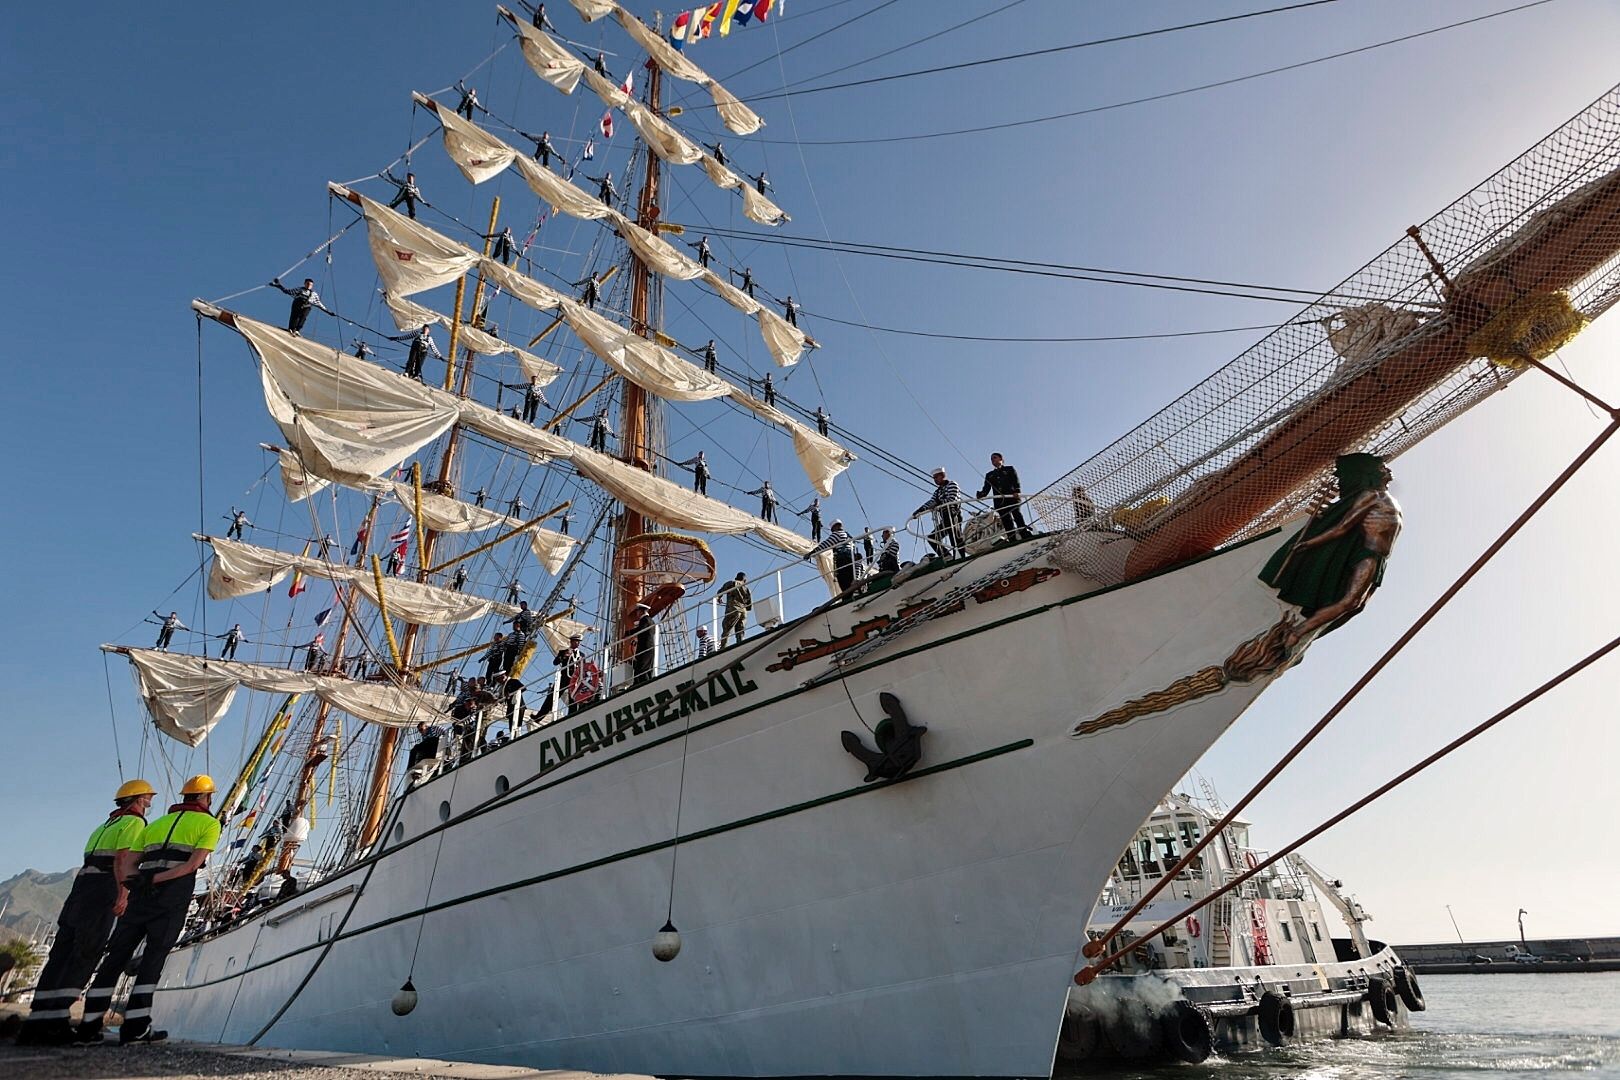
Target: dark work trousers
{"points": [[81, 933], [156, 917], [300, 315], [1012, 518], [844, 567]]}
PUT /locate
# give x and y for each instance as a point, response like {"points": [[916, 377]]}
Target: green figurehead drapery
{"points": [[1320, 575]]}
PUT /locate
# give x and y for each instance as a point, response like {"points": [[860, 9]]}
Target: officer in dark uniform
{"points": [[173, 849], [97, 899]]}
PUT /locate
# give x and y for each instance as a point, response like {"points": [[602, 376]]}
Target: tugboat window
{"points": [[502, 785], [444, 811], [399, 831], [1288, 935]]}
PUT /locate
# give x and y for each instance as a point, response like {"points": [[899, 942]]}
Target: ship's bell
{"points": [[667, 943], [405, 1000]]}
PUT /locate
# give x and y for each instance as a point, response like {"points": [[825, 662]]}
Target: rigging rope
{"points": [[1097, 946], [1090, 972], [983, 128]]}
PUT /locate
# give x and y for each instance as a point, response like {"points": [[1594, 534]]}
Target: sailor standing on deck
{"points": [[173, 849], [946, 504], [738, 600], [843, 552], [1002, 482], [646, 639], [97, 899]]}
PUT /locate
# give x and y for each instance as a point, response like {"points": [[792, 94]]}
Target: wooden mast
{"points": [[382, 769], [636, 442]]}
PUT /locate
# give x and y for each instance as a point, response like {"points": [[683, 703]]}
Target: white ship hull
{"points": [[928, 927]]}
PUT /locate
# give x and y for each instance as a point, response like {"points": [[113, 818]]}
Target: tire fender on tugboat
{"points": [[1276, 1018], [1381, 996], [1406, 985], [1188, 1031]]}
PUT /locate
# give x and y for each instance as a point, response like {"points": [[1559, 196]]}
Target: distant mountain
{"points": [[32, 900]]}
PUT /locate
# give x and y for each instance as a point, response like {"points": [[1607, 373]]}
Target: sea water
{"points": [[1478, 1027]]}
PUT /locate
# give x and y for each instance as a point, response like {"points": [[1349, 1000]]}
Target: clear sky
{"points": [[180, 150]]}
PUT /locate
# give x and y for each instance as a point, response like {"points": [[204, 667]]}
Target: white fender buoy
{"points": [[405, 1000], [667, 943]]}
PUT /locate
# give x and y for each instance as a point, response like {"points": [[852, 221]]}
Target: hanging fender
{"points": [[1193, 927]]}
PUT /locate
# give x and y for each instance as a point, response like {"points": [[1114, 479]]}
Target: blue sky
{"points": [[180, 151]]}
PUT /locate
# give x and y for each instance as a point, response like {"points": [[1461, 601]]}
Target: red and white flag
{"points": [[401, 536], [606, 124], [629, 85]]}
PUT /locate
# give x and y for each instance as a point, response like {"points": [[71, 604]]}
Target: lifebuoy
{"points": [[1249, 859], [1188, 1031], [586, 682], [1276, 1018], [1381, 997], [1193, 927], [1406, 985]]}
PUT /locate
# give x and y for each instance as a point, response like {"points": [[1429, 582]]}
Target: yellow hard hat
{"points": [[133, 788], [201, 784]]}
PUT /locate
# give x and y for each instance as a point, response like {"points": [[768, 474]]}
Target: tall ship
{"points": [[865, 838], [1260, 967]]}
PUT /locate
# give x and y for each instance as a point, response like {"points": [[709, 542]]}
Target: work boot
{"points": [[145, 1035]]}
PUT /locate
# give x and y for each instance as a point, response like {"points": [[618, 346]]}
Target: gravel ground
{"points": [[113, 1062]]}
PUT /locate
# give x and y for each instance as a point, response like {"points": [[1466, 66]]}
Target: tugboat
{"points": [[1257, 968]]}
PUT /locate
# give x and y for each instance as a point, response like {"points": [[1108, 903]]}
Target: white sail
{"points": [[325, 369], [549, 60], [444, 514], [657, 252], [661, 136], [591, 10], [734, 114], [479, 155], [557, 631], [344, 422], [756, 207], [296, 479], [410, 257], [564, 197], [409, 315], [821, 458], [430, 605], [187, 695]]}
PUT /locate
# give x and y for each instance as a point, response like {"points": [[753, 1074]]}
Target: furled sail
{"points": [[240, 569], [296, 479], [479, 155], [553, 63], [344, 421], [659, 499], [821, 458], [410, 257], [444, 514], [784, 341], [756, 207], [409, 315], [739, 118], [557, 632], [646, 363], [591, 10], [187, 695]]}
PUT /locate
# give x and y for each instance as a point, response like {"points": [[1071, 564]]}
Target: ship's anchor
{"points": [[899, 743]]}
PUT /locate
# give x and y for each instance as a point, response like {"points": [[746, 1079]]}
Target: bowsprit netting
{"points": [[1504, 275]]}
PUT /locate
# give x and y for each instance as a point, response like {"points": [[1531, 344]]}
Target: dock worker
{"points": [[173, 849], [96, 900], [842, 547], [304, 300]]}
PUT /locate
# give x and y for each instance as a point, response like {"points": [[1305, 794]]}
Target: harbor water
{"points": [[1476, 1027]]}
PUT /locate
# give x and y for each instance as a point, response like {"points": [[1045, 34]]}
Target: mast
{"points": [[306, 775], [382, 769], [636, 443]]}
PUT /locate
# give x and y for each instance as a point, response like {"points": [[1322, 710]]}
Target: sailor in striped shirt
{"points": [[889, 557], [304, 300], [946, 504], [705, 646]]}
